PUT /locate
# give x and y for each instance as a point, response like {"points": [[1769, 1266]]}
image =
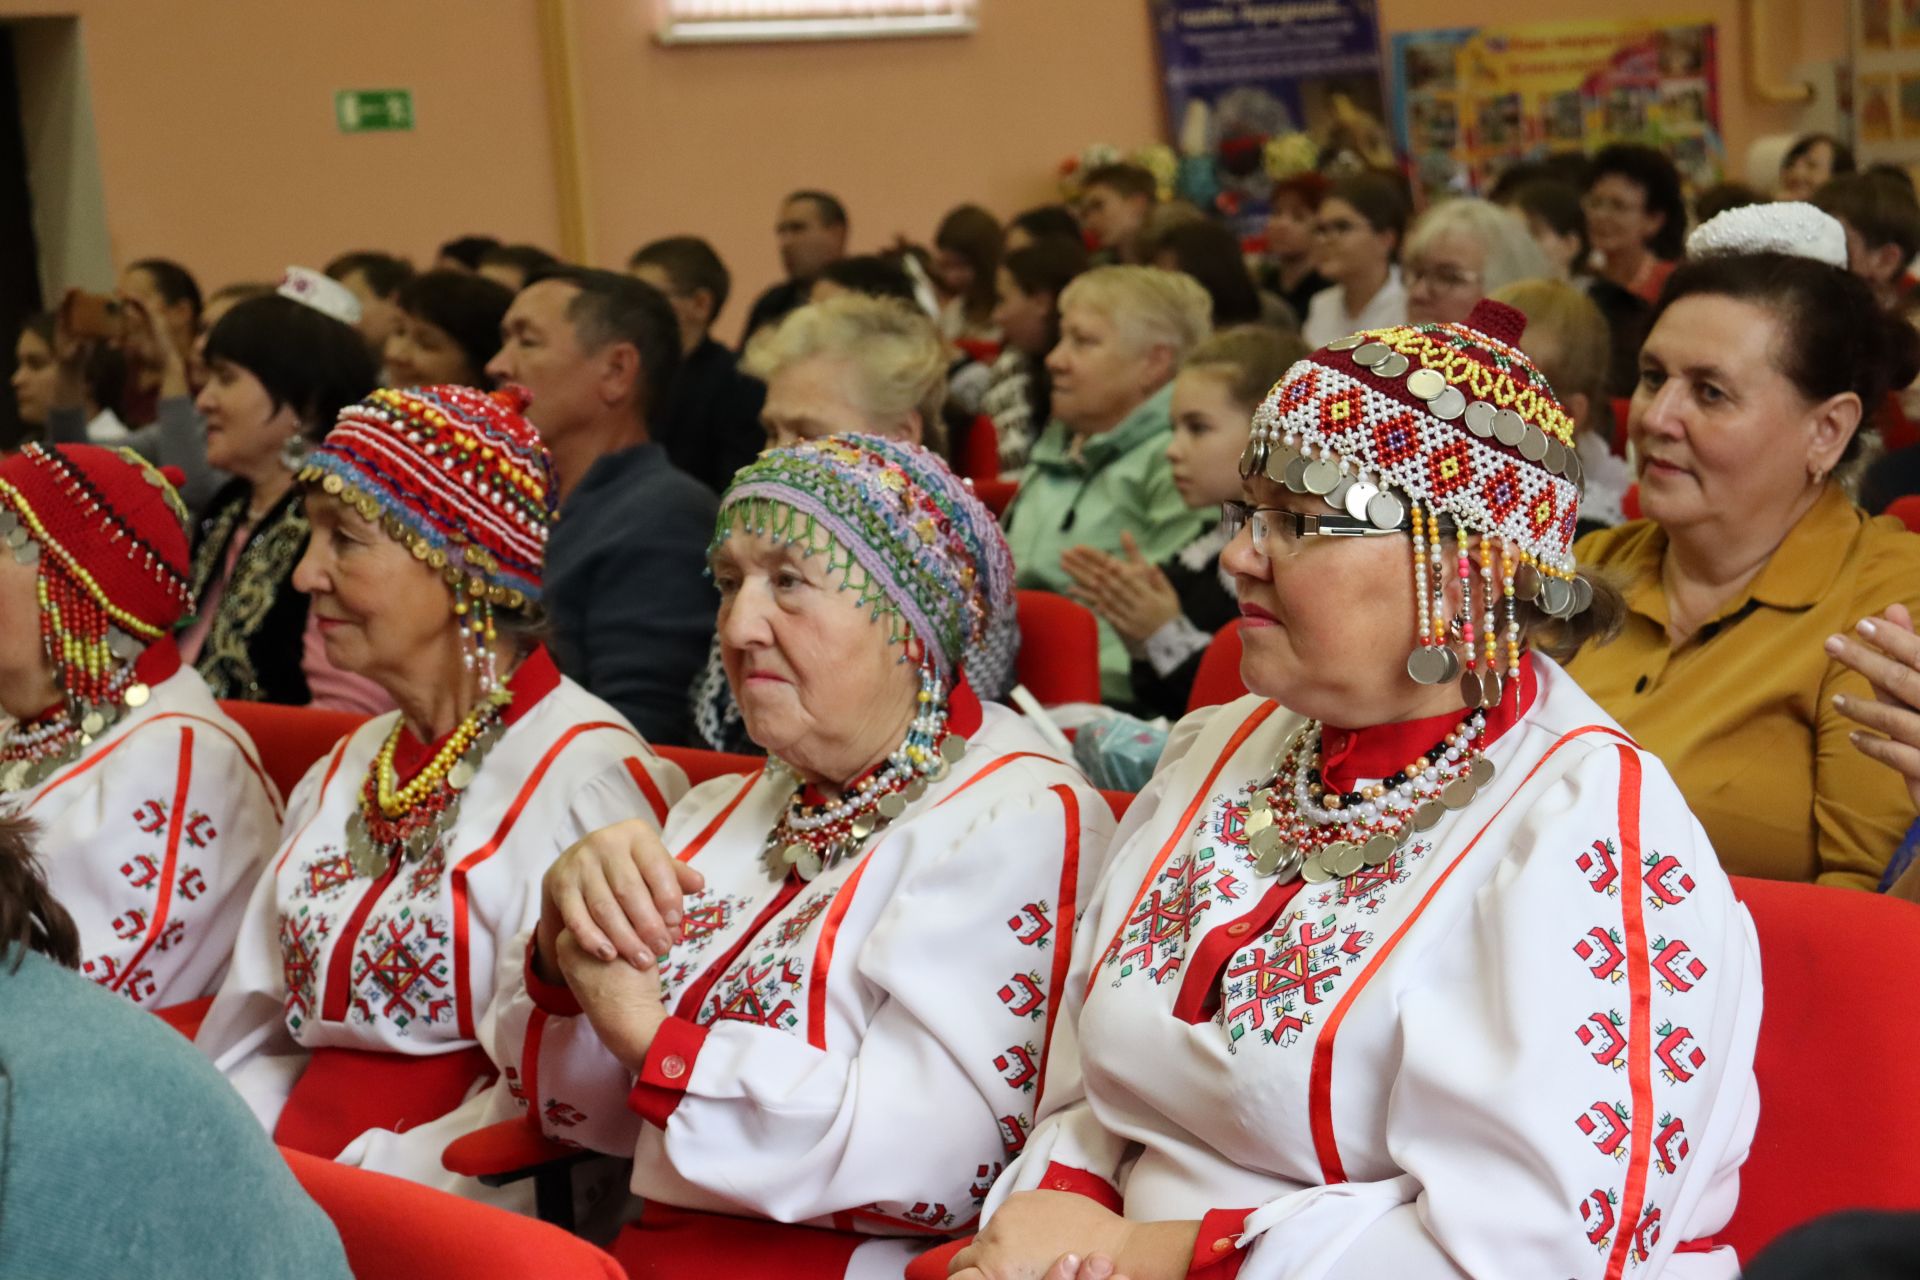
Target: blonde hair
{"points": [[894, 347], [1511, 251], [1147, 305], [1253, 357], [1568, 339]]}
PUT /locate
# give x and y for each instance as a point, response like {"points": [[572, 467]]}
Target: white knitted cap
{"points": [[1787, 226]]}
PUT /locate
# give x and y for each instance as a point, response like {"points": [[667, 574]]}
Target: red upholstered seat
{"points": [[398, 1230], [1621, 406], [1630, 502], [1059, 649], [996, 494], [1218, 679], [186, 1016], [290, 739], [979, 455], [701, 765], [1906, 510]]}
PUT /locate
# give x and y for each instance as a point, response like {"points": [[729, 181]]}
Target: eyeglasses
{"points": [[1445, 278], [1335, 227], [1602, 204], [1278, 525]]}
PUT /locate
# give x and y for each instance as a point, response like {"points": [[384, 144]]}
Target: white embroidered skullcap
{"points": [[1788, 226], [321, 292]]}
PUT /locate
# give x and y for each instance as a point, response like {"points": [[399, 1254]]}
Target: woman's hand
{"points": [[150, 345], [1038, 1233], [620, 893], [1132, 594], [622, 1002], [1888, 655]]}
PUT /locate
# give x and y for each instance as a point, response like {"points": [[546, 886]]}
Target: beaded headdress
{"points": [[1786, 226], [901, 530], [108, 533], [1425, 424]]}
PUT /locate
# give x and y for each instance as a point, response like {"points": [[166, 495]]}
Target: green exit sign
{"points": [[373, 110]]}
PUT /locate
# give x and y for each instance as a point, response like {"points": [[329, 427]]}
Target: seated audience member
{"points": [[170, 297], [1100, 468], [870, 275], [860, 583], [1210, 253], [1765, 364], [1636, 218], [1199, 1115], [151, 810], [74, 1131], [1357, 235], [1812, 162], [1289, 269], [374, 280], [513, 266], [626, 587], [1042, 222], [1558, 224], [1020, 393], [1882, 222], [966, 265], [219, 302], [1722, 196], [1883, 649], [812, 232], [92, 383], [447, 330], [1166, 613], [1115, 201], [280, 368], [351, 1011], [1567, 341], [462, 253], [1459, 252], [710, 423]]}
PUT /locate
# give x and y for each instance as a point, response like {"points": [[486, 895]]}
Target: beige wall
{"points": [[217, 143]]}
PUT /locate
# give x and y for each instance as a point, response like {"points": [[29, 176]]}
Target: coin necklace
{"points": [[1298, 826], [812, 837], [408, 821], [31, 751]]}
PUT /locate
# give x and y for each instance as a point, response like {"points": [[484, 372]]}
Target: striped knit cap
{"points": [[456, 475], [901, 530]]}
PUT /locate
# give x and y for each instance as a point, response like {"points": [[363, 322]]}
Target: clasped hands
{"points": [[610, 906], [1058, 1235], [1132, 594]]}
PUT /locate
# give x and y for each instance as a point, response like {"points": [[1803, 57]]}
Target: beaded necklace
{"points": [[811, 837], [1297, 825], [32, 750], [409, 821]]}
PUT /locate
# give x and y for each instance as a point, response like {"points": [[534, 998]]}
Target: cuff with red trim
{"points": [[555, 999], [1216, 1253], [665, 1070], [1079, 1182]]}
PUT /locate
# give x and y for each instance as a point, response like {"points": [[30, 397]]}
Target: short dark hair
{"points": [[975, 236], [1659, 182], [1047, 221], [1210, 253], [1722, 196], [1380, 198], [103, 369], [1126, 179], [174, 282], [1836, 337], [1843, 161], [303, 357], [612, 307], [831, 211], [468, 307], [384, 273], [1046, 266], [31, 918], [1891, 172], [1555, 203], [467, 250], [690, 263], [1881, 210], [528, 259], [874, 276]]}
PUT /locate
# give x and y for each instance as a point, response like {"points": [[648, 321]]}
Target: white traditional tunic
{"points": [[403, 964], [862, 1052], [153, 838], [1524, 1047]]}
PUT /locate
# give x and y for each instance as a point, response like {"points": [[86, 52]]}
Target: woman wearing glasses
{"points": [[1356, 240], [1434, 974], [1636, 218], [1462, 251]]}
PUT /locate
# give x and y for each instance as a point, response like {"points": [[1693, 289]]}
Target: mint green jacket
{"points": [[1120, 481]]}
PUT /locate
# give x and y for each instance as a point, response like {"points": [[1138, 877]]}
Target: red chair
{"points": [[701, 765], [290, 739], [399, 1230], [1218, 679], [996, 494], [1630, 502], [979, 453], [1906, 510], [1059, 649], [1839, 1081], [1620, 409]]}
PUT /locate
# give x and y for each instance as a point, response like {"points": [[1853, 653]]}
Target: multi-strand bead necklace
{"points": [[409, 820]]}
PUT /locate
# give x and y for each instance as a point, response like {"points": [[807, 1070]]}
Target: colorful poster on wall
{"points": [[1467, 102], [1886, 82], [1240, 73]]}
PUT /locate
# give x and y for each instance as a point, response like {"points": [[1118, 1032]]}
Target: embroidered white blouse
{"points": [[1522, 1048]]}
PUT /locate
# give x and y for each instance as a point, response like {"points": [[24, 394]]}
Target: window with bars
{"points": [[710, 21]]}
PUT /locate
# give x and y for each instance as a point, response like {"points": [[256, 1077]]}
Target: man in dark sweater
{"points": [[813, 233], [626, 586], [710, 424]]}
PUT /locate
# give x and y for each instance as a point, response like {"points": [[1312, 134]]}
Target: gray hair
{"points": [[1150, 307], [1511, 252], [895, 348]]}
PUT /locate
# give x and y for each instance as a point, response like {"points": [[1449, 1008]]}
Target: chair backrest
{"points": [[1059, 649], [399, 1230], [1622, 409], [1218, 679], [1837, 1064], [979, 455], [290, 739], [996, 494], [701, 765], [1906, 510]]}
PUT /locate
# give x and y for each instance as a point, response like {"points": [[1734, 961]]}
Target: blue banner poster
{"points": [[1240, 74]]}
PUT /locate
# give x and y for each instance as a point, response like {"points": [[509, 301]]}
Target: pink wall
{"points": [[218, 144]]}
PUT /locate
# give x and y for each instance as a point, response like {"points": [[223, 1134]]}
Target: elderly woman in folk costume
{"points": [[153, 813], [820, 996], [413, 850], [1439, 976]]}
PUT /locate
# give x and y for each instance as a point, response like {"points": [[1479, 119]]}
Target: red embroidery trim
{"points": [[176, 820], [1063, 913], [1639, 1063]]}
